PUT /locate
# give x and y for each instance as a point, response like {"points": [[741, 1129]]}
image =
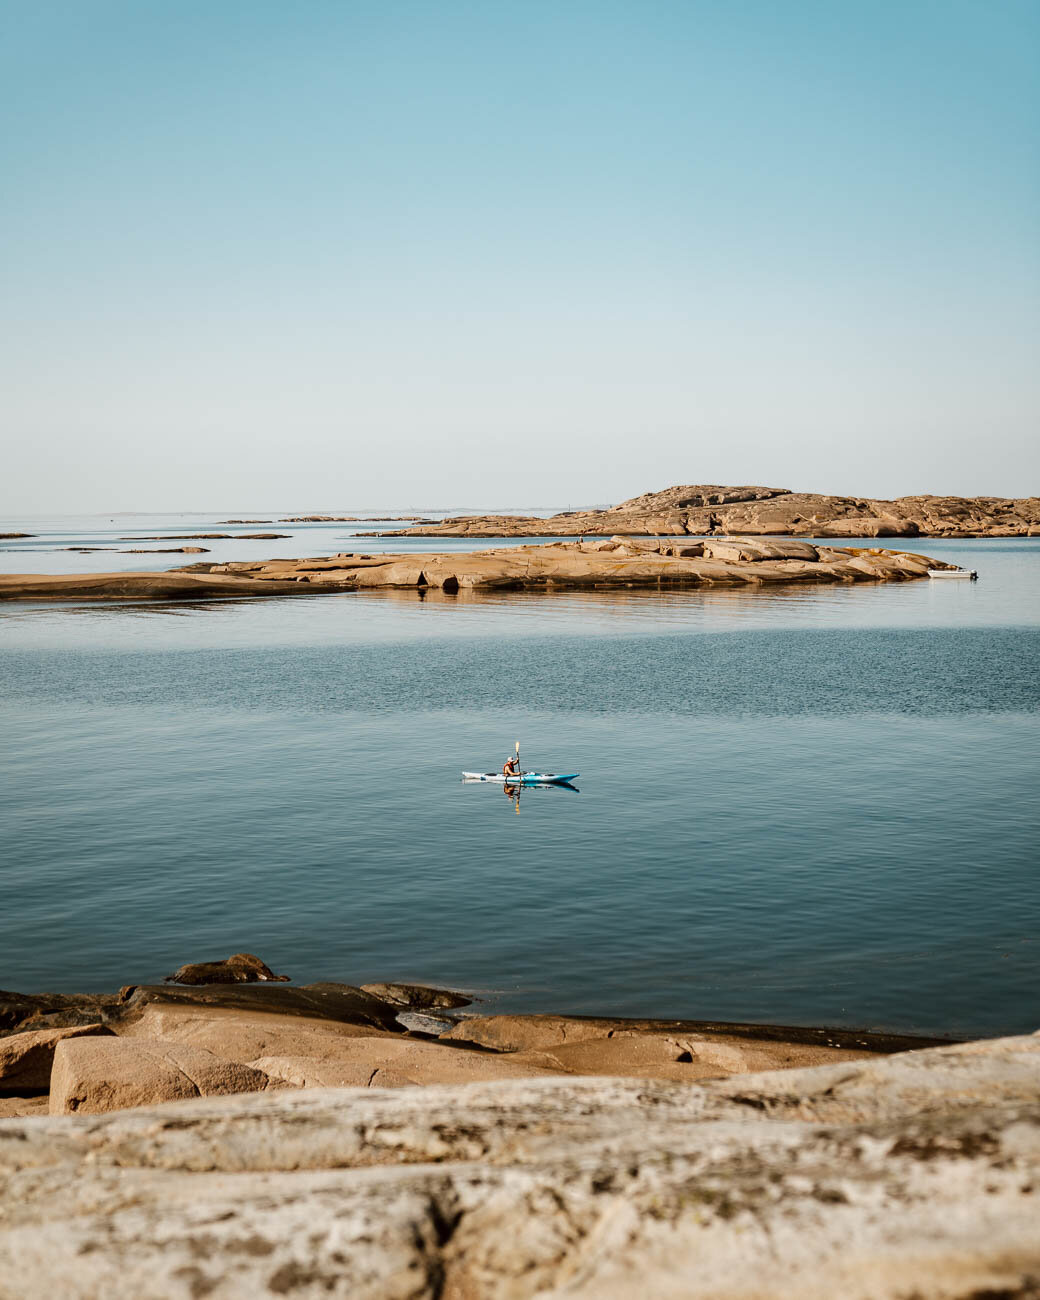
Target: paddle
{"points": [[519, 775]]}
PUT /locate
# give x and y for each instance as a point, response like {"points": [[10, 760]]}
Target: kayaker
{"points": [[510, 767]]}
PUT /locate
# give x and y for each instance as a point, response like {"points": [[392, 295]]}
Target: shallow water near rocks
{"points": [[804, 806]]}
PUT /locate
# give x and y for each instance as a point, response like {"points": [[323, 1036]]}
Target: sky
{"points": [[362, 253]]}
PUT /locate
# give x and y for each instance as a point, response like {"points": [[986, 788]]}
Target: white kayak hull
{"points": [[522, 778]]}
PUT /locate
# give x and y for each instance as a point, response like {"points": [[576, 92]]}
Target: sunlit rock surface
{"points": [[888, 1177], [617, 563]]}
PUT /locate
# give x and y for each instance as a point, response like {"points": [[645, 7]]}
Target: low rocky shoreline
{"points": [[615, 563], [57, 1053], [386, 1142]]}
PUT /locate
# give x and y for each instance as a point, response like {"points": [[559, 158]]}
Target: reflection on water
{"points": [[514, 793]]}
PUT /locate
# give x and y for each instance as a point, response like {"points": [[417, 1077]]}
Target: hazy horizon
{"points": [[555, 252], [279, 512]]}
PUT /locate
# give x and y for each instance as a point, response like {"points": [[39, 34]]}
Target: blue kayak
{"points": [[522, 778]]}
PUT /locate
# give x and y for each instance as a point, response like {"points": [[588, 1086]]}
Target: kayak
{"points": [[522, 778]]}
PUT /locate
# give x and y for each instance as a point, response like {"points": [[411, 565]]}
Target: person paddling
{"points": [[511, 767]]}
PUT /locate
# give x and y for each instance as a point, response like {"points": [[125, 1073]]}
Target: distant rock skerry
{"points": [[763, 511]]}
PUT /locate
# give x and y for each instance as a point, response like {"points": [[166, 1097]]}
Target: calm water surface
{"points": [[812, 806]]}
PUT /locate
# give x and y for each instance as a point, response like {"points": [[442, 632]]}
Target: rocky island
{"points": [[763, 511], [379, 1142], [615, 563]]}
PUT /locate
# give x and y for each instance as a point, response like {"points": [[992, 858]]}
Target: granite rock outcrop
{"points": [[97, 1074], [619, 562], [325, 1034], [704, 509], [881, 1179]]}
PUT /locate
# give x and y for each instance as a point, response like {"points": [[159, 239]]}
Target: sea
{"points": [[798, 806]]}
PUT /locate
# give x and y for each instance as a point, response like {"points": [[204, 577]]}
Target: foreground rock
{"points": [[360, 1055], [93, 1075], [246, 1035], [520, 1033], [324, 1035], [761, 510], [912, 1175], [617, 563], [318, 1072]]}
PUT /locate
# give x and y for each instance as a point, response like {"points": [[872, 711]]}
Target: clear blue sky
{"points": [[262, 254]]}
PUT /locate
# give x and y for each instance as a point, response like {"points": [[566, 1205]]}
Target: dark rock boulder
{"points": [[343, 1003], [21, 1011], [240, 968]]}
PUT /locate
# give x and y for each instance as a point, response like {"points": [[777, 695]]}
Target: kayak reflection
{"points": [[514, 791]]}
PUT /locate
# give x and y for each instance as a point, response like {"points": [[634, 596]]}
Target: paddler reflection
{"points": [[513, 792]]}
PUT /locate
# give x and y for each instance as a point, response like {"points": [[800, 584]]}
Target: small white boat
{"points": [[970, 575]]}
